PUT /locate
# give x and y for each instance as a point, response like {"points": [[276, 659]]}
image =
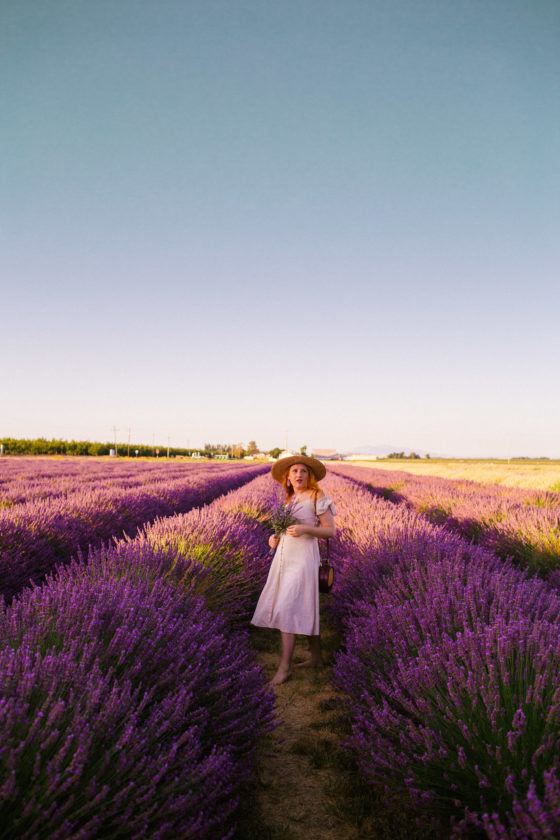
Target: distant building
{"points": [[355, 456], [320, 454], [256, 456]]}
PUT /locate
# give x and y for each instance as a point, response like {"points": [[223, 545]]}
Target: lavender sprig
{"points": [[280, 519]]}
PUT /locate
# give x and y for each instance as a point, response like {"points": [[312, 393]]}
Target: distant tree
{"points": [[252, 447], [42, 446], [428, 455], [274, 453], [413, 456], [303, 449]]}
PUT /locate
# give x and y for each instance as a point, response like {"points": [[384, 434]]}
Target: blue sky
{"points": [[335, 221]]}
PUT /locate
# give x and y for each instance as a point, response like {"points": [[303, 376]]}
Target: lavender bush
{"points": [[35, 536], [28, 479], [468, 724], [127, 710], [524, 524], [23, 480], [534, 817], [220, 555], [450, 664]]}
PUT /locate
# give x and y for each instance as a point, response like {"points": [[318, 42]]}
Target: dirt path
{"points": [[307, 786]]}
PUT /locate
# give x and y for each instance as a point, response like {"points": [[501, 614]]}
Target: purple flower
{"points": [[126, 708], [85, 507]]}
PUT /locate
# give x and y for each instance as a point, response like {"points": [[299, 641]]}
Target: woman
{"points": [[289, 601]]}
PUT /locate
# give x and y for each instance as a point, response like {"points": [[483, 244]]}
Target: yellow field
{"points": [[536, 475]]}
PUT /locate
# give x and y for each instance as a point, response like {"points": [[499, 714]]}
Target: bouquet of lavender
{"points": [[280, 519]]}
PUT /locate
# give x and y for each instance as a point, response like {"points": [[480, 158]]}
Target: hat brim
{"points": [[283, 465]]}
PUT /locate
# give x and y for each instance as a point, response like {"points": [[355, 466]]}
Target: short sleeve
{"points": [[323, 504]]}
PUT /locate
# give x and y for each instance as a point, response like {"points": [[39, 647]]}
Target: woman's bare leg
{"points": [[316, 658], [284, 668]]}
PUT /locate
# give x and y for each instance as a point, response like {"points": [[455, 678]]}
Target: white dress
{"points": [[290, 597]]}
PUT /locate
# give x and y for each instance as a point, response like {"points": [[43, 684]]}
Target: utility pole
{"points": [[115, 430], [128, 448]]}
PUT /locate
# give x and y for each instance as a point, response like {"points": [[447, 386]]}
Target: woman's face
{"points": [[299, 476]]}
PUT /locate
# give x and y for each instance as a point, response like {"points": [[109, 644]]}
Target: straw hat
{"points": [[280, 467]]}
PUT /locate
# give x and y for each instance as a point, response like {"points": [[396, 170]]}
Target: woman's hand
{"points": [[296, 530], [273, 541]]}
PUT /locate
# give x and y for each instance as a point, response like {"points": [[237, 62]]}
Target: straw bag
{"points": [[326, 571]]}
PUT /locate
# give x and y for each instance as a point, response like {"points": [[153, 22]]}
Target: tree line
{"points": [[58, 446], [413, 455]]}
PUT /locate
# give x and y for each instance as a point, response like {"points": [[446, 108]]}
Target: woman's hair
{"points": [[312, 483]]}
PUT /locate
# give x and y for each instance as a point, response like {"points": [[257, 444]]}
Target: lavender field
{"points": [[523, 524], [50, 510], [133, 704]]}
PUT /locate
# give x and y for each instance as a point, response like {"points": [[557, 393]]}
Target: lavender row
{"points": [[451, 665], [523, 524], [227, 542], [409, 597], [30, 479], [36, 536], [131, 703]]}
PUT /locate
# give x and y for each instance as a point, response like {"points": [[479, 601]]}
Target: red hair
{"points": [[312, 483]]}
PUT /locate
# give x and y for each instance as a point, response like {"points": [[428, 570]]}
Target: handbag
{"points": [[326, 571]]}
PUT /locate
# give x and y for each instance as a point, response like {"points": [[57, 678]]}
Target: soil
{"points": [[307, 786]]}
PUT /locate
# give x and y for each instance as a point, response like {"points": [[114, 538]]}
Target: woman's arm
{"points": [[327, 528]]}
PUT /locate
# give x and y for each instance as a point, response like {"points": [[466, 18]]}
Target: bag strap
{"points": [[315, 506]]}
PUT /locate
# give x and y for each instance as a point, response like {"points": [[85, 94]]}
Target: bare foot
{"points": [[281, 675], [310, 663]]}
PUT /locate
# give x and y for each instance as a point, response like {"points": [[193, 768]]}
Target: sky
{"points": [[323, 223]]}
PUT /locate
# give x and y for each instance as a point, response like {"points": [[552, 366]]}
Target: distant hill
{"points": [[384, 449]]}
